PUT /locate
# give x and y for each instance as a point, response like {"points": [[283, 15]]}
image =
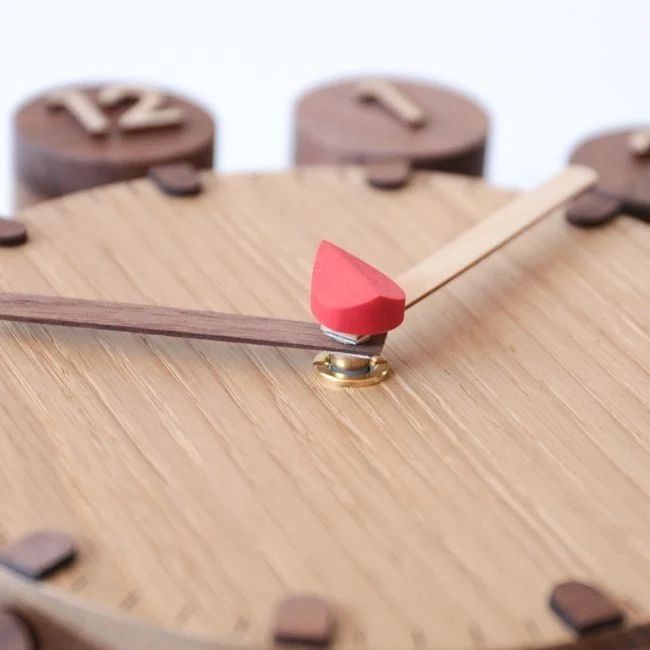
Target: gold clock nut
{"points": [[351, 370]]}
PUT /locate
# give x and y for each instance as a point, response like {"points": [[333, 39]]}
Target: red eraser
{"points": [[352, 297]]}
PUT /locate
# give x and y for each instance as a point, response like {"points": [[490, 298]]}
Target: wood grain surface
{"points": [[507, 453]]}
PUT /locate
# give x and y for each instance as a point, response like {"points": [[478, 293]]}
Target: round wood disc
{"points": [[206, 482], [622, 174], [55, 155], [333, 125]]}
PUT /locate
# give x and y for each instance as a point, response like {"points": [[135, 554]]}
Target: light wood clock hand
{"points": [[206, 482]]}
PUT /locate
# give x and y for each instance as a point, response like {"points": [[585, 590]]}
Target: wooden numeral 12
{"points": [[146, 113]]}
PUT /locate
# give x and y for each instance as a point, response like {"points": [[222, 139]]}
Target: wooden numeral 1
{"points": [[81, 108], [393, 100]]}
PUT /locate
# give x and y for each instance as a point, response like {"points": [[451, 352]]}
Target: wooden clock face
{"points": [[506, 453]]}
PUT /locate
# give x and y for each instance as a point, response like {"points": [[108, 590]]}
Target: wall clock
{"points": [[205, 482]]}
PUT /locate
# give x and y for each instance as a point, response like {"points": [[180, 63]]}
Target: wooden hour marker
{"points": [[13, 232], [146, 113], [393, 100], [80, 106], [304, 620], [388, 174], [584, 608], [170, 321], [39, 554], [177, 179], [593, 208]]}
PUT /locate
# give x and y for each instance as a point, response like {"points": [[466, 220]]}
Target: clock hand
{"points": [[172, 321], [492, 233], [417, 283], [345, 313], [367, 301]]}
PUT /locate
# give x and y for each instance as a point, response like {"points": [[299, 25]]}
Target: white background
{"points": [[549, 71]]}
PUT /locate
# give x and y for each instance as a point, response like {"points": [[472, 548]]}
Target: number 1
{"points": [[81, 108]]}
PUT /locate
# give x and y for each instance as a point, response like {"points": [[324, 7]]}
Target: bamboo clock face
{"points": [[506, 453]]}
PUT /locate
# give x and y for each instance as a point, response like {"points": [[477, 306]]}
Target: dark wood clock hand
{"points": [[172, 321]]}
